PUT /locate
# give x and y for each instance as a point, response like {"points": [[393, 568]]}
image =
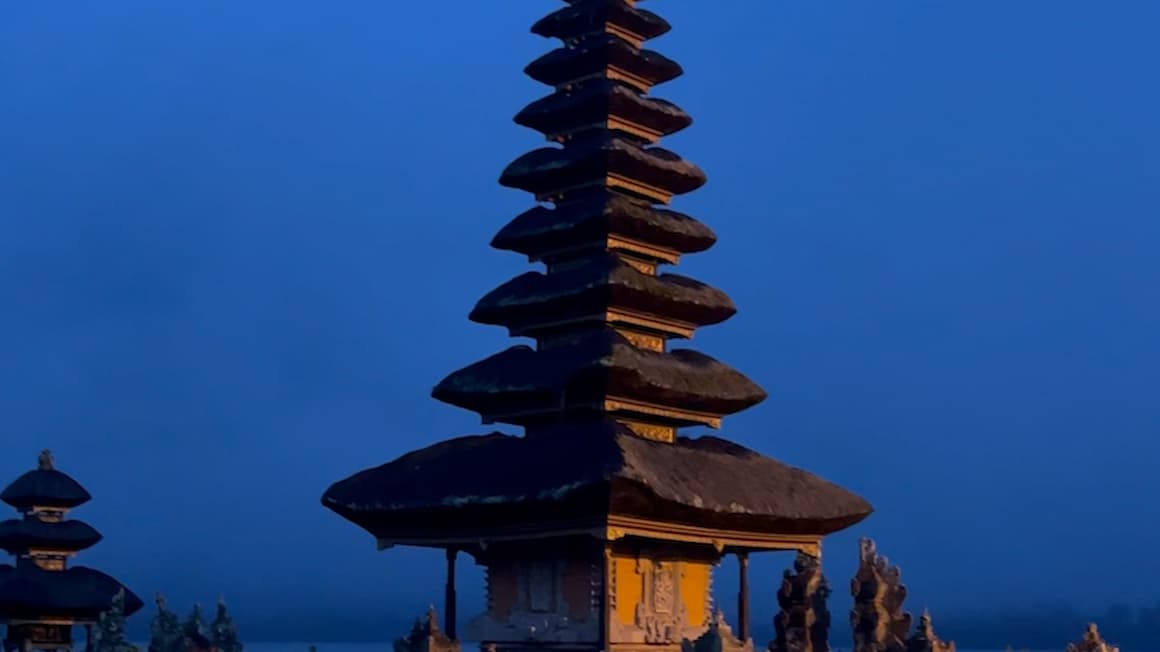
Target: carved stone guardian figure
{"points": [[1091, 642], [803, 621], [878, 622], [718, 637], [425, 636], [925, 640]]}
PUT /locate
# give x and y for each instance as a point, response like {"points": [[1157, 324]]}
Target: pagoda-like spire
{"points": [[601, 313], [41, 586], [44, 536]]}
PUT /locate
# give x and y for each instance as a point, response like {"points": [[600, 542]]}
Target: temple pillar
{"points": [[743, 596], [449, 599], [607, 600]]}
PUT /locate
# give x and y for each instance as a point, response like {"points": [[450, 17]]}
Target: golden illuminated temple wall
{"points": [[654, 600], [659, 600]]}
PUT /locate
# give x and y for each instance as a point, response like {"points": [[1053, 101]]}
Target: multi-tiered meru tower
{"points": [[600, 527], [42, 597]]}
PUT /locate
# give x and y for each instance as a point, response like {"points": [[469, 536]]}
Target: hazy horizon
{"points": [[241, 241]]}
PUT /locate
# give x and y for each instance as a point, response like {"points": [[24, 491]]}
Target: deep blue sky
{"points": [[240, 240]]}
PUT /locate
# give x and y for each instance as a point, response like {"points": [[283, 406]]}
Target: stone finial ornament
{"points": [[718, 637], [878, 621], [425, 636]]}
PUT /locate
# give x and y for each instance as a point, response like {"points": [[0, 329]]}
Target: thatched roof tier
{"points": [[589, 471], [583, 17], [534, 301], [603, 55], [580, 371], [45, 487], [602, 103], [591, 159], [28, 592], [589, 219], [19, 536]]}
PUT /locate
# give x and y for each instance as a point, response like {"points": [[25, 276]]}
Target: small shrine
{"points": [[601, 525], [42, 597]]}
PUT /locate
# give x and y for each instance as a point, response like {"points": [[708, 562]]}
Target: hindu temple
{"points": [[600, 522], [42, 597]]}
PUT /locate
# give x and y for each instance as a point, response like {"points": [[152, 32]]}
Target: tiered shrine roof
{"points": [[587, 473], [600, 393], [41, 586]]}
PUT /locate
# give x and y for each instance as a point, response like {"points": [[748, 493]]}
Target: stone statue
{"points": [[924, 638], [1091, 642], [426, 636], [110, 632], [223, 631], [878, 622], [718, 637], [165, 629], [803, 621]]}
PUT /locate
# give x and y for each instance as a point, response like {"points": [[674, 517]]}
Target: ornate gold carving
{"points": [[642, 84], [803, 622], [651, 431], [877, 619], [607, 579], [669, 327], [642, 266], [612, 181], [681, 416], [621, 243], [633, 38], [925, 640], [643, 340], [633, 129], [661, 614]]}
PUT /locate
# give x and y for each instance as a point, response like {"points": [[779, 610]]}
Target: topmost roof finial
{"points": [[44, 462]]}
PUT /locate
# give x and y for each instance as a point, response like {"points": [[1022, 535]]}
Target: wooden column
{"points": [[449, 615], [606, 615], [743, 597]]}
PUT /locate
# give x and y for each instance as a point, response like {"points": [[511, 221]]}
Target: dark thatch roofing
{"points": [[583, 368], [594, 54], [79, 592], [592, 468], [585, 16], [597, 284], [593, 216], [19, 535], [594, 102], [593, 156], [45, 487]]}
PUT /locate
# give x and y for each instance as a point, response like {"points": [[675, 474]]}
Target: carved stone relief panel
{"points": [[541, 611]]}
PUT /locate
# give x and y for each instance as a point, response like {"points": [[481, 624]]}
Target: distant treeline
{"points": [[1133, 629], [1051, 628]]}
